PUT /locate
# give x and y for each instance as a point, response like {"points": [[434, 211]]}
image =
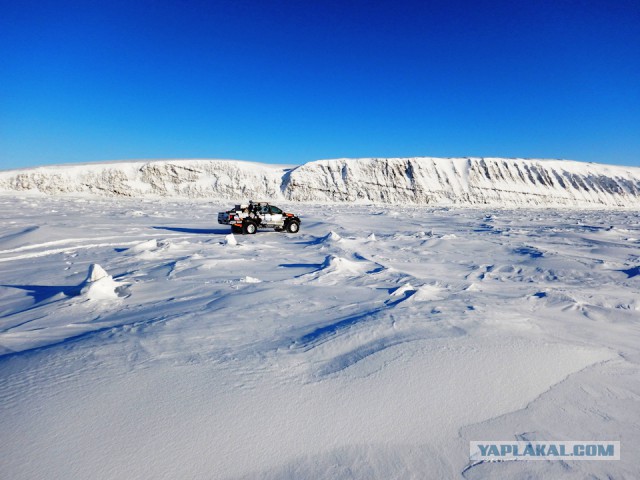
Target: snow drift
{"points": [[418, 181]]}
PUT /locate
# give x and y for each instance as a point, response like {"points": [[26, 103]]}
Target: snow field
{"points": [[376, 343]]}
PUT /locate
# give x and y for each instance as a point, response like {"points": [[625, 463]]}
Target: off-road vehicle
{"points": [[249, 217]]}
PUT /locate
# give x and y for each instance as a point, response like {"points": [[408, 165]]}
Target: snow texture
{"points": [[323, 354], [418, 181]]}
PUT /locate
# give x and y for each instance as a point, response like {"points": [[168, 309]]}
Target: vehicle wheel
{"points": [[293, 227], [250, 228]]}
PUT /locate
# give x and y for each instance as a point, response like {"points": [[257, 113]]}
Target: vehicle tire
{"points": [[249, 228], [293, 227]]}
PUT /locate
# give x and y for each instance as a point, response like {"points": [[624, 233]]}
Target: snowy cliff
{"points": [[420, 181], [466, 181], [228, 179]]}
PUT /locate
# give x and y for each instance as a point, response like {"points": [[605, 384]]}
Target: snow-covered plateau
{"points": [[398, 181], [140, 340]]}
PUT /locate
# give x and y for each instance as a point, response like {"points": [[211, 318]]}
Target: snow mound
{"points": [[149, 246], [230, 240], [372, 237], [427, 293], [249, 279], [335, 264], [403, 291], [144, 246], [331, 237], [99, 285], [334, 269]]}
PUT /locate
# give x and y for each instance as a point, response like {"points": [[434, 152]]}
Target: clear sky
{"points": [[289, 81]]}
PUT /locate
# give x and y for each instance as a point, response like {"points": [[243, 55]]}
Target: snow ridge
{"points": [[418, 181]]}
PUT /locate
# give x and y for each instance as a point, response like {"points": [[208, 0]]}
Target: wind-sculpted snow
{"points": [[138, 339], [417, 181]]}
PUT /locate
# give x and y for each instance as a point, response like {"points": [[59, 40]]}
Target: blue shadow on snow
{"points": [[44, 292]]}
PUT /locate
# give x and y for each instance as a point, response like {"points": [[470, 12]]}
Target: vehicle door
{"points": [[265, 214], [276, 215]]}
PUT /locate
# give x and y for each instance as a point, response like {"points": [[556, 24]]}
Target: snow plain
{"points": [[376, 343]]}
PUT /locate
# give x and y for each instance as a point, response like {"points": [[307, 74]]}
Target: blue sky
{"points": [[293, 81]]}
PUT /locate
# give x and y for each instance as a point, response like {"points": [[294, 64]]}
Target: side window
{"points": [[275, 210]]}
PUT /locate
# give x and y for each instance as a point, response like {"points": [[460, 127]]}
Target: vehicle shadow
{"points": [[197, 231]]}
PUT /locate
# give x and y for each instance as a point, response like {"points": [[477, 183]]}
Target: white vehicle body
{"points": [[247, 218]]}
